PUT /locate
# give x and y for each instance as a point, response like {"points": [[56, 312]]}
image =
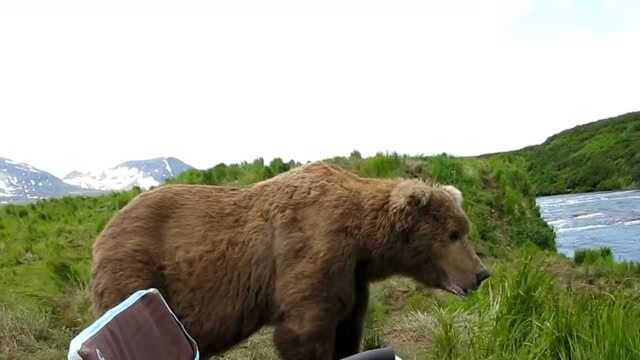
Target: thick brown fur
{"points": [[296, 252]]}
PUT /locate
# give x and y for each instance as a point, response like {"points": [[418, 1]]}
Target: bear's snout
{"points": [[482, 276]]}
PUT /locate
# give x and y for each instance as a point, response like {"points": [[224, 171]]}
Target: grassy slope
{"points": [[45, 251], [602, 155], [537, 305]]}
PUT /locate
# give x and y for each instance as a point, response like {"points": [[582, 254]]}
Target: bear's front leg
{"points": [[350, 329], [305, 333]]}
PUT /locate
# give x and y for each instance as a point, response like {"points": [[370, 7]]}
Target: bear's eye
{"points": [[454, 236]]}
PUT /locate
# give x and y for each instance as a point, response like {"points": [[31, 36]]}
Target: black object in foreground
{"points": [[380, 354]]}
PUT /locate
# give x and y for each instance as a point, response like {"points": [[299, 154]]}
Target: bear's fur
{"points": [[296, 252]]}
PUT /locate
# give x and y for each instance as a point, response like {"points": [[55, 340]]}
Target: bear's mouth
{"points": [[456, 290]]}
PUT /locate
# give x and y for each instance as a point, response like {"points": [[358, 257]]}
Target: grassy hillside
{"points": [[603, 155], [537, 305]]}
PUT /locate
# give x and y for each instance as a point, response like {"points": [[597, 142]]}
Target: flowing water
{"points": [[594, 220]]}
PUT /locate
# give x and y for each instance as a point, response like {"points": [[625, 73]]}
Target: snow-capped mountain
{"points": [[21, 182], [142, 173]]}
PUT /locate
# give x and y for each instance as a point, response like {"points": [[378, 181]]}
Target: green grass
{"points": [[524, 313], [527, 310], [377, 313], [600, 263]]}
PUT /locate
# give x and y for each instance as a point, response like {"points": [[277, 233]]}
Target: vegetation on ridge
{"points": [[598, 156]]}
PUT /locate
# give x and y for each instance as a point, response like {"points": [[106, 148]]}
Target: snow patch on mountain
{"points": [[21, 182], [118, 178], [167, 166], [6, 186], [142, 173]]}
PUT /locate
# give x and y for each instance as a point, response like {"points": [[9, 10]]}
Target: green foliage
{"points": [[355, 155], [599, 156], [600, 263], [381, 166], [592, 256], [517, 204], [446, 169], [524, 313], [235, 174], [446, 337], [374, 322]]}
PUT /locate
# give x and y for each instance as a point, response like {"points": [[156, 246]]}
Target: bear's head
{"points": [[430, 241]]}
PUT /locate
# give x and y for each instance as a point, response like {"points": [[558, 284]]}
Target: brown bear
{"points": [[296, 252]]}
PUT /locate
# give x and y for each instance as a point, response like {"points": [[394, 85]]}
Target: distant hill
{"points": [[598, 156], [21, 182], [141, 173]]}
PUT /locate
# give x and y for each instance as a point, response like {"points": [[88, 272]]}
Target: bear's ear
{"points": [[455, 194], [405, 200]]}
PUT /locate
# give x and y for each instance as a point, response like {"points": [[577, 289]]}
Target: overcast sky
{"points": [[86, 85]]}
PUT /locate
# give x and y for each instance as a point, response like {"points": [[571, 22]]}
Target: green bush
{"points": [[593, 256], [381, 166], [446, 169], [235, 174]]}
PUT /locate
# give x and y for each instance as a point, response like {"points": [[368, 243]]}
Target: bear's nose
{"points": [[482, 276]]}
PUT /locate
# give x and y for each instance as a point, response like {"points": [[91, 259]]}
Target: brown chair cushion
{"points": [[142, 327]]}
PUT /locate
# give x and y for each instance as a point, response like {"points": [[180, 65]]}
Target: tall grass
{"points": [[373, 337], [526, 314], [29, 334]]}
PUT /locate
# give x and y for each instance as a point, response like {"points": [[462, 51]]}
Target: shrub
{"points": [[593, 256], [382, 166]]}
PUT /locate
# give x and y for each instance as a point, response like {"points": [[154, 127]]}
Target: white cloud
{"points": [[86, 92]]}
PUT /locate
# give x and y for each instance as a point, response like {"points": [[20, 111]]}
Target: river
{"points": [[594, 220]]}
